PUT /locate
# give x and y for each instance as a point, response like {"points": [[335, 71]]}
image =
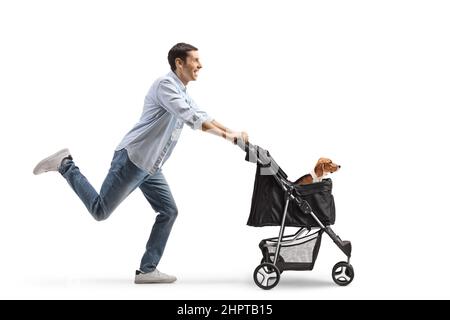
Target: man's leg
{"points": [[157, 192], [123, 177]]}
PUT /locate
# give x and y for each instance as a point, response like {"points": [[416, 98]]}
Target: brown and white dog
{"points": [[322, 168]]}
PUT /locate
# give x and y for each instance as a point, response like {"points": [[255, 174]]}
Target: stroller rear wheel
{"points": [[343, 273], [266, 276]]}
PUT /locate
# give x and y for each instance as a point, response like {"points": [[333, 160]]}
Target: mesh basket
{"points": [[296, 253]]}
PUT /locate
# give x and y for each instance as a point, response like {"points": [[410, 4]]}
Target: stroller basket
{"points": [[297, 252]]}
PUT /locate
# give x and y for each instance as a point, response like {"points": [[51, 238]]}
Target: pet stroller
{"points": [[278, 202]]}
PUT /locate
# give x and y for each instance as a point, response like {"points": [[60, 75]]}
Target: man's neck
{"points": [[180, 76]]}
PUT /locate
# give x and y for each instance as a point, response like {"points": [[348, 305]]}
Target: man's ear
{"points": [[179, 62]]}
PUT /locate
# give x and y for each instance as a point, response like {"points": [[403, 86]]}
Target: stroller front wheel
{"points": [[271, 256], [343, 273], [266, 276]]}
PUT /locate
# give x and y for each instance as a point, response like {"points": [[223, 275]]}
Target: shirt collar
{"points": [[177, 80]]}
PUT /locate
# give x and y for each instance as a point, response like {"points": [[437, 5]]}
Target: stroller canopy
{"points": [[269, 198]]}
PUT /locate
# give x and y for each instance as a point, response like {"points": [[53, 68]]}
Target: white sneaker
{"points": [[153, 277], [51, 163]]}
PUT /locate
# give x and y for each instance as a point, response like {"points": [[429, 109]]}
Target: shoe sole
{"points": [[153, 281], [60, 153]]}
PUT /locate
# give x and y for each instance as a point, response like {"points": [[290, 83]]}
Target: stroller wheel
{"points": [[343, 273], [266, 276], [279, 264]]}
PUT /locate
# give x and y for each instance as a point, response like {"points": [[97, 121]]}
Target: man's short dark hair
{"points": [[180, 50]]}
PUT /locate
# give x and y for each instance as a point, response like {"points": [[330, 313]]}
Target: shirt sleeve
{"points": [[201, 112], [176, 104]]}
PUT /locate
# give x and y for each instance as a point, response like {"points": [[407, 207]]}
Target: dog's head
{"points": [[325, 166]]}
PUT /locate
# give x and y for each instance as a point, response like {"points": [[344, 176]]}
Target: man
{"points": [[140, 155]]}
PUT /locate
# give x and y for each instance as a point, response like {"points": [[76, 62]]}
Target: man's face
{"points": [[188, 70]]}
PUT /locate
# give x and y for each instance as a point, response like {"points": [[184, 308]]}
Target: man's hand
{"points": [[244, 136], [234, 136]]}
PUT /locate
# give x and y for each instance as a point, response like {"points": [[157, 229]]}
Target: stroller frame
{"points": [[342, 272]]}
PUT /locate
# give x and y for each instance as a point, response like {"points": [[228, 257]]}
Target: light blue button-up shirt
{"points": [[167, 108]]}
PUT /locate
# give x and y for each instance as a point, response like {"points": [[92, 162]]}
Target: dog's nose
{"points": [[339, 166]]}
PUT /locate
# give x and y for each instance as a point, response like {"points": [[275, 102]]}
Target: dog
{"points": [[323, 167]]}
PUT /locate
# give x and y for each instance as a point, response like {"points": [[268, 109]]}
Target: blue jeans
{"points": [[122, 179]]}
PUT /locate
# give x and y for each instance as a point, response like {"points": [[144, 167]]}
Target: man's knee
{"points": [[100, 217], [170, 213], [99, 212], [173, 213]]}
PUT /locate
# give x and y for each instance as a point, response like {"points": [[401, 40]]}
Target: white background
{"points": [[365, 83]]}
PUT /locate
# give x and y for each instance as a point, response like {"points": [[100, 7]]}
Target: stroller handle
{"points": [[245, 146], [259, 155]]}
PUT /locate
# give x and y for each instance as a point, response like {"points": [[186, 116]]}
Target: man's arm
{"points": [[220, 126], [175, 103], [215, 128]]}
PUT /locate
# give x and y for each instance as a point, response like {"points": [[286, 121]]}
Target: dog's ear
{"points": [[318, 169]]}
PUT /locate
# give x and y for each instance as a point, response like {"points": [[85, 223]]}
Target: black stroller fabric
{"points": [[268, 203]]}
